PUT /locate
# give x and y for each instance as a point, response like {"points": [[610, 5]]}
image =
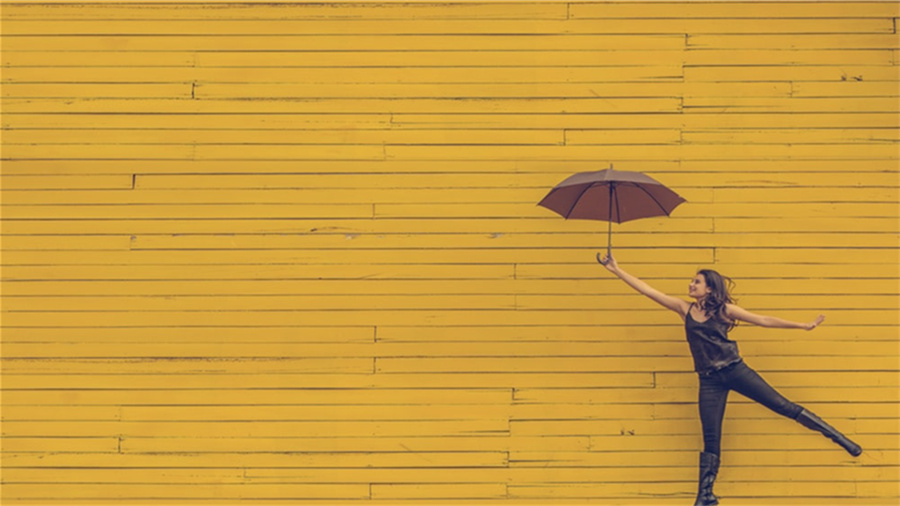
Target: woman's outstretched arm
{"points": [[738, 313], [667, 301]]}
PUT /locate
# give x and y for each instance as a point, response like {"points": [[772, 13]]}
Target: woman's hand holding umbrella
{"points": [[609, 262]]}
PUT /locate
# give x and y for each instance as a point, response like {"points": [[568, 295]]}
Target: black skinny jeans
{"points": [[714, 388]]}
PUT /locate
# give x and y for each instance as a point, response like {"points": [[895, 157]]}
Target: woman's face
{"points": [[698, 289]]}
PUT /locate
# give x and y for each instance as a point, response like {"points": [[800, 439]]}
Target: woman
{"points": [[707, 321]]}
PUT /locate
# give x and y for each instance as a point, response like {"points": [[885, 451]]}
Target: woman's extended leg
{"points": [[749, 383]]}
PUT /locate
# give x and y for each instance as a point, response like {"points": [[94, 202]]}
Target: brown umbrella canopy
{"points": [[611, 195]]}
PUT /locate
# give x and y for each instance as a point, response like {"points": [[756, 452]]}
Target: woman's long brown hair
{"points": [[714, 304]]}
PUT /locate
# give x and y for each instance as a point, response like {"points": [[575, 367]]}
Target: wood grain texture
{"points": [[279, 253]]}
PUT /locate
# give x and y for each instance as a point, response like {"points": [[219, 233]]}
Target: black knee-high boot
{"points": [[811, 421], [709, 468]]}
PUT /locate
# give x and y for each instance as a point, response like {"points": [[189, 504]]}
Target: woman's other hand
{"points": [[815, 323]]}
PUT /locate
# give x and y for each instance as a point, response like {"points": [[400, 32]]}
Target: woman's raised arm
{"points": [[667, 301], [738, 313]]}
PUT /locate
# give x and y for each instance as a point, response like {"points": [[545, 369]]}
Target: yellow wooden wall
{"points": [[290, 253]]}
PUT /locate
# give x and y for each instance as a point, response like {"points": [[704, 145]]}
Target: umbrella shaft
{"points": [[609, 233]]}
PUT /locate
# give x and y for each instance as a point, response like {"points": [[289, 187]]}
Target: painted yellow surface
{"points": [[291, 253]]}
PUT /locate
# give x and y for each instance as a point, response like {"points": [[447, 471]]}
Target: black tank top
{"points": [[710, 346]]}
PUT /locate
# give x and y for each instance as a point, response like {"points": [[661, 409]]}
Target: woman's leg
{"points": [[747, 382], [713, 397]]}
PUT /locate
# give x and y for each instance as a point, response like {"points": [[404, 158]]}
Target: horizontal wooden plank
{"points": [[481, 316], [739, 271], [373, 58], [685, 474], [788, 379], [390, 365], [808, 347], [798, 104], [292, 90], [93, 182], [517, 10], [60, 444], [874, 41], [802, 225], [372, 414], [794, 168], [737, 10], [601, 333], [791, 442], [365, 26], [379, 42], [543, 181], [787, 56], [822, 393], [637, 501], [334, 428], [536, 250], [291, 380], [673, 283], [573, 137], [447, 151], [457, 218], [662, 152], [85, 242], [186, 272], [368, 106], [763, 422], [118, 90], [430, 396], [225, 11], [851, 88], [382, 301], [255, 234], [183, 492], [352, 123], [173, 67], [388, 188], [313, 137], [794, 73], [331, 396], [363, 414], [170, 365], [482, 459], [694, 210], [186, 151], [199, 196], [813, 136], [876, 190], [460, 333], [394, 256], [599, 492], [458, 491], [297, 211], [736, 458]]}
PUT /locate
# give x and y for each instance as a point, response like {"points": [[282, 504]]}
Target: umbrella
{"points": [[611, 195]]}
